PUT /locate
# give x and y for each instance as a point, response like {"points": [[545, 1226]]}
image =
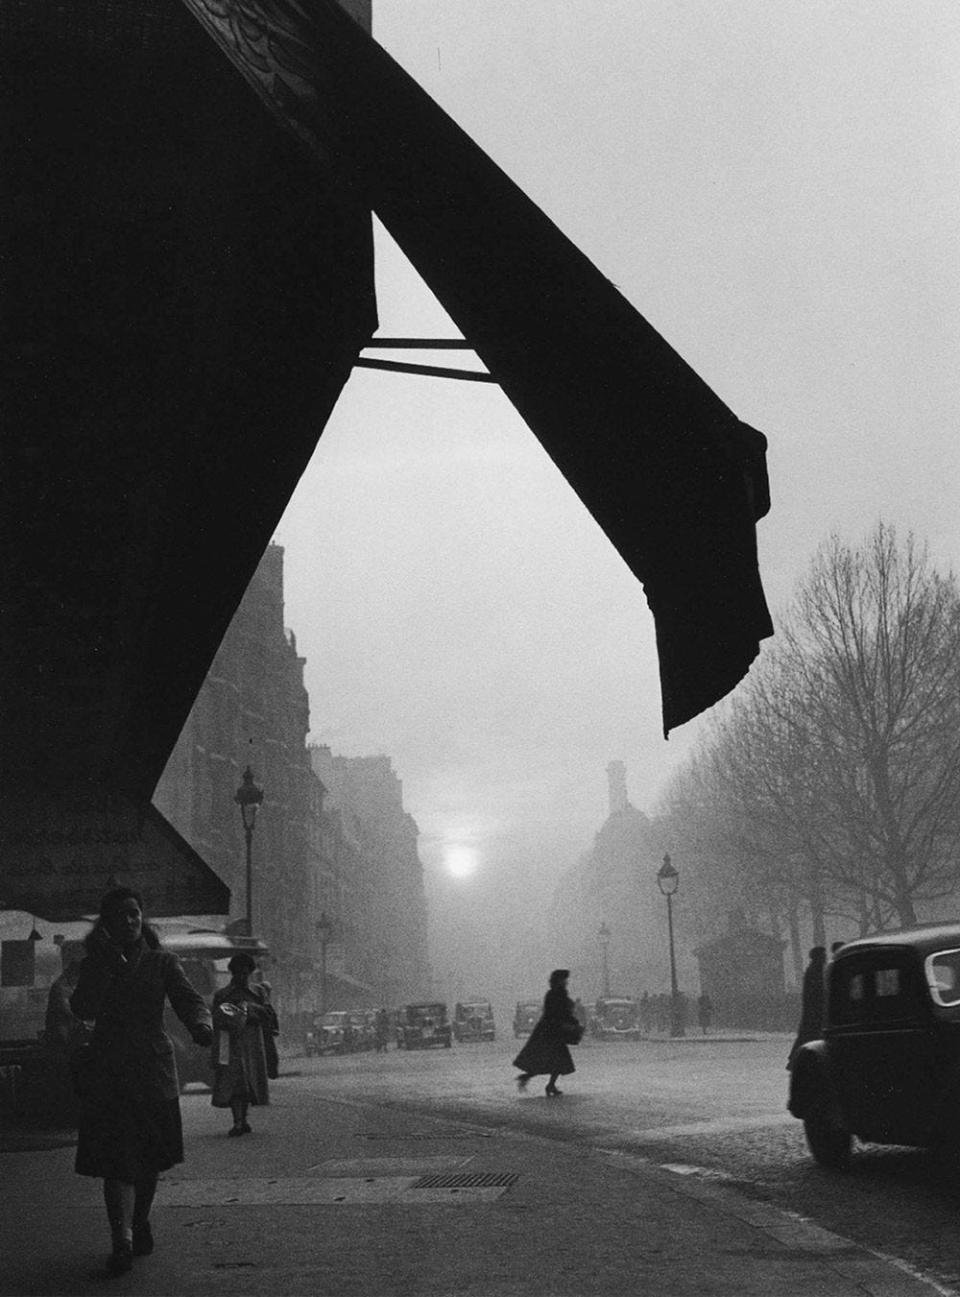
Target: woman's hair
{"points": [[559, 975], [111, 901], [242, 963]]}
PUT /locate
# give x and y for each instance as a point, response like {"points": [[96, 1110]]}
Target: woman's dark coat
{"points": [[128, 1090], [546, 1052], [240, 1047]]}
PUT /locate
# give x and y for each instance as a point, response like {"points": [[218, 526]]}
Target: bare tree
{"points": [[875, 643], [831, 784]]}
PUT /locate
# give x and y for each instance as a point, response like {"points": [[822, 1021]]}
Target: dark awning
{"points": [[91, 840], [676, 481], [185, 294]]}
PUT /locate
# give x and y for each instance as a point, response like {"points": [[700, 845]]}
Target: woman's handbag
{"points": [[571, 1033]]}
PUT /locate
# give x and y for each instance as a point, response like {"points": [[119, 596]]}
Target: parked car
{"points": [[616, 1017], [887, 1068], [362, 1035], [473, 1020], [526, 1016], [423, 1026], [332, 1033]]}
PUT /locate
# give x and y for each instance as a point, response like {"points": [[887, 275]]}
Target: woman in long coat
{"points": [[242, 1016], [546, 1052], [127, 1088]]}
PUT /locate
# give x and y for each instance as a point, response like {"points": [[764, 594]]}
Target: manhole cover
{"points": [[468, 1180]]}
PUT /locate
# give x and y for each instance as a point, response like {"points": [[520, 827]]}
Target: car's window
{"points": [[943, 976], [879, 991]]}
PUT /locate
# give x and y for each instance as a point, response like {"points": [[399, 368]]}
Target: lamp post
{"points": [[324, 928], [604, 935], [668, 880], [249, 798]]}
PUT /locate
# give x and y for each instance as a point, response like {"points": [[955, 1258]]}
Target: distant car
{"points": [[887, 1068], [473, 1020], [616, 1017], [362, 1035], [423, 1026], [332, 1033], [526, 1016]]}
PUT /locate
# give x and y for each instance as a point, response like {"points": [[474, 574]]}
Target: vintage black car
{"points": [[423, 1026], [526, 1016], [616, 1017], [331, 1033], [473, 1020], [887, 1069]]}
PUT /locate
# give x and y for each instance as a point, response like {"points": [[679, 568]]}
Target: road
{"points": [[711, 1108]]}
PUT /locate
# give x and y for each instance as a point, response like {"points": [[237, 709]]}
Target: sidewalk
{"points": [[348, 1198]]}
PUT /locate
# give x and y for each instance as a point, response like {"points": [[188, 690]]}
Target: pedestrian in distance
{"points": [[129, 1127], [242, 1018], [61, 1025], [704, 1012], [381, 1031], [812, 1002], [65, 1037], [547, 1052]]}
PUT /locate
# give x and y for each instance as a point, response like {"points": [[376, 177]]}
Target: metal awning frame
{"points": [[422, 344]]}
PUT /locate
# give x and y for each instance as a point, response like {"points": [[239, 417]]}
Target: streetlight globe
{"points": [[668, 879], [248, 797]]}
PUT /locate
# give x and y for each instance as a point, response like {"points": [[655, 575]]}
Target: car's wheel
{"points": [[829, 1143]]}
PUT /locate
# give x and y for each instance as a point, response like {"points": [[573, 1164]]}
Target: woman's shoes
{"points": [[120, 1259]]}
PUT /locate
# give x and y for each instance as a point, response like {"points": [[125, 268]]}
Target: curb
{"points": [[877, 1274]]}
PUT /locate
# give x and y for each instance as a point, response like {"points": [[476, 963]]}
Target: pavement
{"points": [[342, 1197]]}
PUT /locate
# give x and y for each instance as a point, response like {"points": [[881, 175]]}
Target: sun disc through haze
{"points": [[460, 861]]}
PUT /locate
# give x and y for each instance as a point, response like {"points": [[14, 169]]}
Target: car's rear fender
{"points": [[812, 1085]]}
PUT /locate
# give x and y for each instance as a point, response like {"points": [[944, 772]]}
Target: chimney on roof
{"points": [[617, 784]]}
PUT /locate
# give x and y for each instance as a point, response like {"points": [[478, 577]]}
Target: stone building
{"points": [[742, 972], [614, 883], [371, 878], [353, 860]]}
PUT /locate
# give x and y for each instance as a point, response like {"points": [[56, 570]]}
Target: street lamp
{"points": [[604, 935], [668, 880], [249, 797], [324, 928]]}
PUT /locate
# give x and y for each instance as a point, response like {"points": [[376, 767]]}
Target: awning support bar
{"points": [[424, 344], [432, 371]]}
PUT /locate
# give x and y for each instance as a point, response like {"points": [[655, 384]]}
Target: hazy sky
{"points": [[774, 185]]}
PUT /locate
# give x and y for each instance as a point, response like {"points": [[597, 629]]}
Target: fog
{"points": [[775, 187]]}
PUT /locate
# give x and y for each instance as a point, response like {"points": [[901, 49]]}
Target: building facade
{"points": [[331, 845], [614, 884]]}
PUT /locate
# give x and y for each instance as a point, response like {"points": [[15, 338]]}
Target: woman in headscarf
{"points": [[128, 1090], [546, 1052], [242, 1018]]}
